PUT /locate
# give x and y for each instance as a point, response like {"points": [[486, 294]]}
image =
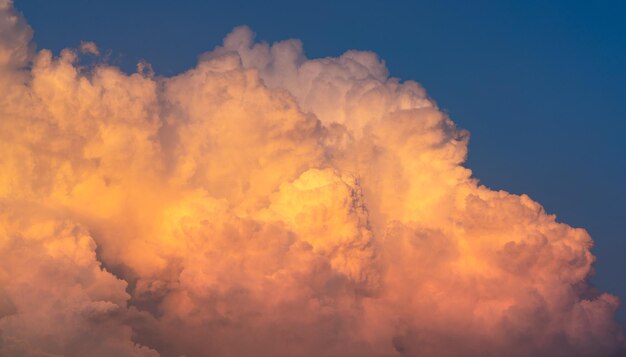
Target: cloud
{"points": [[263, 203], [89, 47]]}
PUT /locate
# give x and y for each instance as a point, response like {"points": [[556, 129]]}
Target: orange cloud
{"points": [[263, 203]]}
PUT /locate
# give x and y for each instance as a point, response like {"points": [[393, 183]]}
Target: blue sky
{"points": [[539, 84]]}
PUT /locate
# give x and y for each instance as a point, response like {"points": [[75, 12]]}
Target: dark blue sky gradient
{"points": [[539, 84]]}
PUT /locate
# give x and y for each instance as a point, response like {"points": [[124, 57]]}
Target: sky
{"points": [[538, 84]]}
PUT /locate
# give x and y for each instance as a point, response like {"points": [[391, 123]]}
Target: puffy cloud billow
{"points": [[266, 204]]}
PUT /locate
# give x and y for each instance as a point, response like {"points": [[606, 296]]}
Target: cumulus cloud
{"points": [[263, 203]]}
